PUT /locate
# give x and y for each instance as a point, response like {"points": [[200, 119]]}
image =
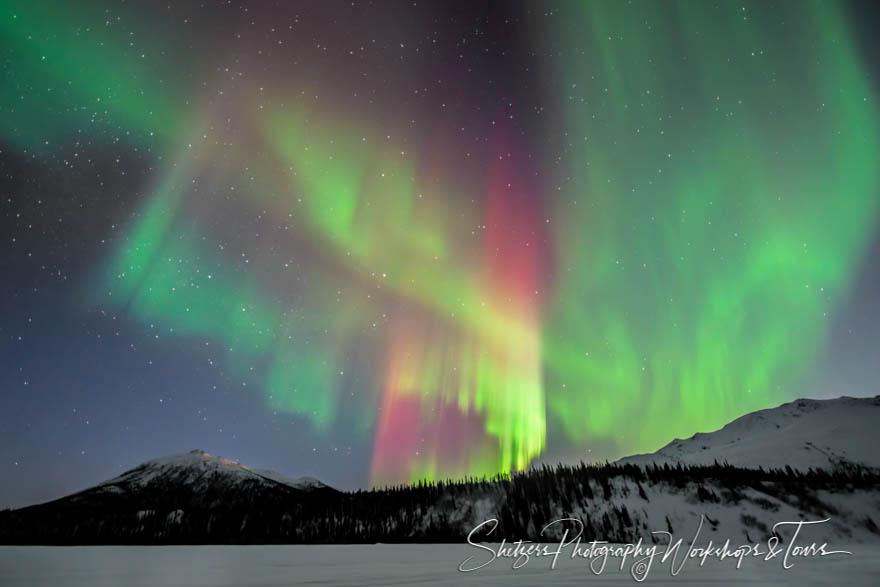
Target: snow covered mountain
{"points": [[303, 483], [803, 434], [188, 497], [198, 498], [198, 468], [193, 480]]}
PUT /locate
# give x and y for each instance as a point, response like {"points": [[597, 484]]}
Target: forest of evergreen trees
{"points": [[523, 504]]}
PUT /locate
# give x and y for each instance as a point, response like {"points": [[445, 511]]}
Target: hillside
{"points": [[807, 460], [802, 434]]}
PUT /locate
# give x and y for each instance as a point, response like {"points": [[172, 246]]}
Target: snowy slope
{"points": [[740, 513], [195, 479], [803, 434], [303, 483], [195, 468], [198, 467], [201, 498], [199, 470]]}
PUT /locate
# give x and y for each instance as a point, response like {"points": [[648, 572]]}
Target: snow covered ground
{"points": [[426, 565]]}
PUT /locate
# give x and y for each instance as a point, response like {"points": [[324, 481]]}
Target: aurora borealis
{"points": [[382, 243]]}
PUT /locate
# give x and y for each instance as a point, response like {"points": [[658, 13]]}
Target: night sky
{"points": [[374, 242]]}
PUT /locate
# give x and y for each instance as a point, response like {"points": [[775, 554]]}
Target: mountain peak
{"points": [[200, 470], [195, 479], [804, 433]]}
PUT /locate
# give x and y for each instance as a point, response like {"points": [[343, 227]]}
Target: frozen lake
{"points": [[276, 566]]}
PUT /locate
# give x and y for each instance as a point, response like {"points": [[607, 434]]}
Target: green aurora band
{"points": [[718, 198], [710, 209], [84, 79]]}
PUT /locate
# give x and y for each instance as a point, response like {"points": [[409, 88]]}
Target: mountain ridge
{"points": [[803, 434], [195, 479], [199, 498], [197, 457]]}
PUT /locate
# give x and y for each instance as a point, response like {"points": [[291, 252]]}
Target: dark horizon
{"points": [[540, 464]]}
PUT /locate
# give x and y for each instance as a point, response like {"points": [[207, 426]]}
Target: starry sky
{"points": [[375, 242]]}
